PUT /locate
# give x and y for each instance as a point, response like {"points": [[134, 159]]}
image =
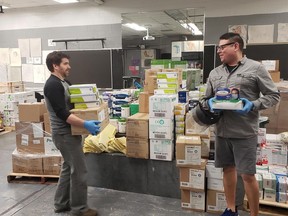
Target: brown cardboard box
{"points": [[150, 84], [35, 165], [144, 102], [30, 137], [52, 165], [137, 148], [192, 128], [214, 198], [275, 75], [19, 162], [32, 112], [188, 151], [193, 178], [137, 126], [193, 200], [47, 125], [269, 63], [97, 113]]}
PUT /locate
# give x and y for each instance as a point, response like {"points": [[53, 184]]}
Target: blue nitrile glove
{"points": [[92, 126], [248, 106]]}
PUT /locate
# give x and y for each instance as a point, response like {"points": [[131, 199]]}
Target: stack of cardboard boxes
{"points": [[161, 126], [273, 67], [192, 172], [138, 136], [9, 106], [35, 151]]}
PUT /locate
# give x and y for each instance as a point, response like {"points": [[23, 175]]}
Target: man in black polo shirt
{"points": [[71, 193]]}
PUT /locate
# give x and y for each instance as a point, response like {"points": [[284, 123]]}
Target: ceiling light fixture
{"points": [[191, 27], [135, 26], [66, 1]]}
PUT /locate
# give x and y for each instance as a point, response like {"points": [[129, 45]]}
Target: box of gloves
{"points": [[227, 99]]}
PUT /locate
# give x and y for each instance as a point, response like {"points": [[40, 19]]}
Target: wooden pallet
{"points": [[269, 208], [31, 178]]}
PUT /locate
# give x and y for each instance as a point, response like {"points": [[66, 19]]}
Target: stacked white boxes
{"points": [[167, 83], [180, 111], [161, 126], [9, 106], [120, 98], [216, 201]]}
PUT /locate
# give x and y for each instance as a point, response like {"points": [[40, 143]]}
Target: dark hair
{"points": [[55, 58], [233, 37]]}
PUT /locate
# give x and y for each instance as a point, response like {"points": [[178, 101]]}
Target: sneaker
{"points": [[89, 212], [62, 210], [228, 212]]}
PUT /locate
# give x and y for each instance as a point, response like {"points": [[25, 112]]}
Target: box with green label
{"points": [[160, 63], [179, 64], [83, 89], [84, 98]]}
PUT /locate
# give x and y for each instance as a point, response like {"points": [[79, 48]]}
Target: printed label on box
{"points": [[221, 201], [197, 200], [101, 115], [36, 142], [196, 178], [24, 139], [37, 130], [193, 154]]}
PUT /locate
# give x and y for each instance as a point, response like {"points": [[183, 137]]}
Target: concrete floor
{"points": [[37, 199]]}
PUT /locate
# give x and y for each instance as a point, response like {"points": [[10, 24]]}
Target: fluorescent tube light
{"points": [[192, 27], [135, 26], [66, 1]]}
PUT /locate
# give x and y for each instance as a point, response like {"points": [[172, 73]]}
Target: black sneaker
{"points": [[62, 210], [228, 212]]}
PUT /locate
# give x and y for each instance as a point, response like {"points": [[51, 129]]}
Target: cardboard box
{"points": [[269, 195], [212, 171], [84, 98], [188, 150], [32, 112], [144, 102], [165, 91], [137, 126], [98, 113], [259, 179], [50, 148], [193, 178], [137, 148], [162, 107], [271, 65], [261, 194], [205, 147], [161, 128], [52, 165], [181, 108], [193, 200], [47, 124], [150, 84], [281, 184], [281, 197], [83, 89], [167, 85], [216, 201], [19, 162], [192, 128], [88, 105], [161, 149], [215, 184], [275, 75], [35, 165], [269, 181], [30, 137]]}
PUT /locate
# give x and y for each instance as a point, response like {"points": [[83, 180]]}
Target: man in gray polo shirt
{"points": [[71, 193], [236, 131]]}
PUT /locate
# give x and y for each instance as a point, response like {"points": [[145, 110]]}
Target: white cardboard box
{"points": [[162, 107], [215, 184], [269, 181], [270, 195], [160, 128], [193, 200], [281, 197], [213, 172], [161, 149]]}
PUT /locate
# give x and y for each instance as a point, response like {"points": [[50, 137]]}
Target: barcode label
{"points": [[159, 136], [160, 156], [160, 115]]}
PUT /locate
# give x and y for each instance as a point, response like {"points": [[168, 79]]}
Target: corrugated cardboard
{"points": [[193, 178], [32, 112], [275, 75], [137, 148], [212, 171], [188, 151], [52, 165], [216, 201], [150, 84], [162, 107], [47, 125], [98, 113], [19, 162], [193, 200], [192, 128], [161, 128], [215, 184], [161, 149], [144, 102], [137, 126], [30, 137], [35, 165]]}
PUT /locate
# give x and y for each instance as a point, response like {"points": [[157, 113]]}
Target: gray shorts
{"points": [[240, 153]]}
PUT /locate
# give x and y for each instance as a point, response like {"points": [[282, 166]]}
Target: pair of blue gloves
{"points": [[92, 126], [248, 106]]}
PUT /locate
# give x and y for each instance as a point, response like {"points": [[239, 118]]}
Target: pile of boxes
{"points": [[35, 151], [11, 87], [9, 106]]}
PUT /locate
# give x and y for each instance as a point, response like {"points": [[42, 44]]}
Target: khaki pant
{"points": [[72, 185]]}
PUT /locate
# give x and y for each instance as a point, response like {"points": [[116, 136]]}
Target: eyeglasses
{"points": [[222, 47]]}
